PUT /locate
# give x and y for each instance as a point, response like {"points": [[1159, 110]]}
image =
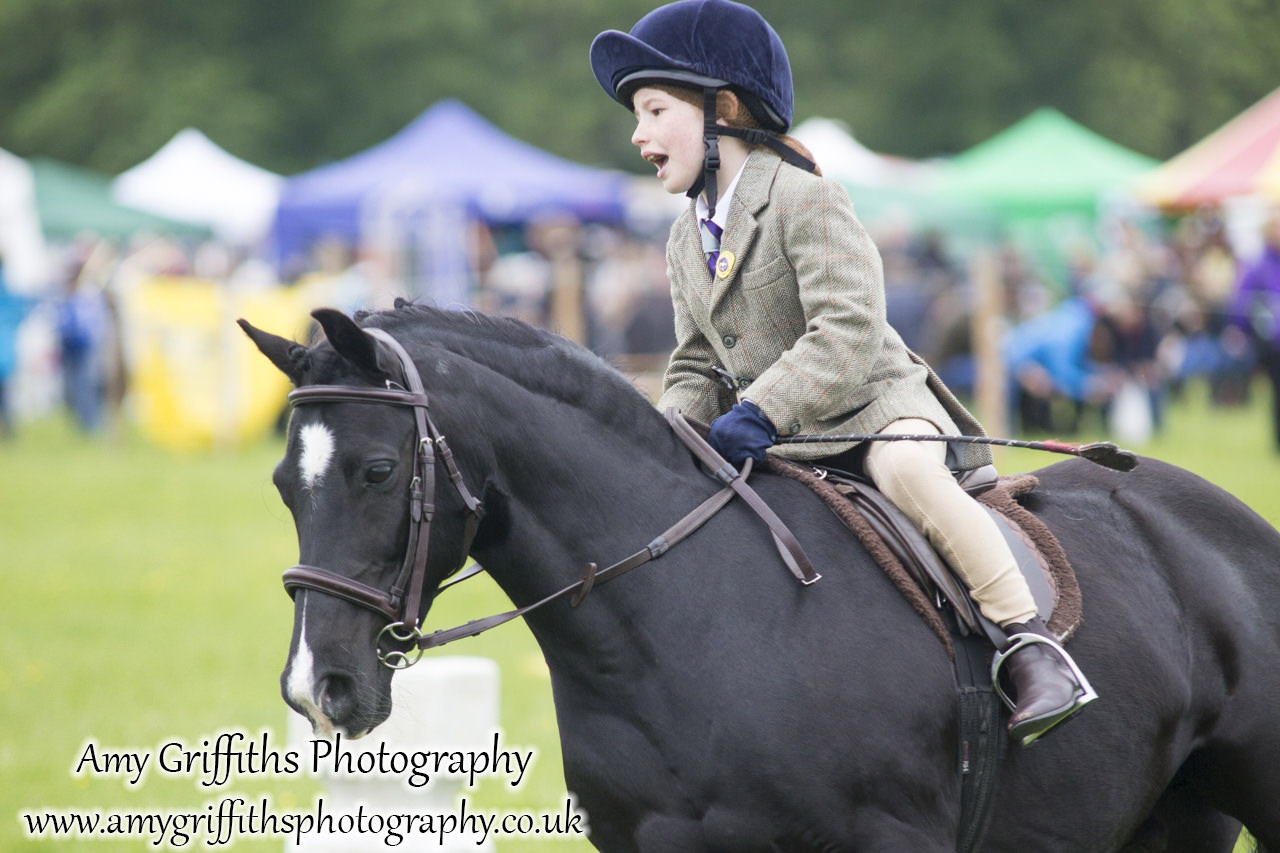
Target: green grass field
{"points": [[142, 603]]}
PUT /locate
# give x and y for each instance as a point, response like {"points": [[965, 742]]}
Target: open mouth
{"points": [[659, 161]]}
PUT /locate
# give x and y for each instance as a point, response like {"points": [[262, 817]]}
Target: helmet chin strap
{"points": [[711, 133], [710, 152]]}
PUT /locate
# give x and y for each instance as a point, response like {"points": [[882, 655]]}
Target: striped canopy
{"points": [[1240, 158]]}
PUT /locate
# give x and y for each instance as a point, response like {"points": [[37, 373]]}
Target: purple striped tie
{"points": [[711, 243]]}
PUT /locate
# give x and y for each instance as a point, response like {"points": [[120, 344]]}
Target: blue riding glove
{"points": [[742, 432]]}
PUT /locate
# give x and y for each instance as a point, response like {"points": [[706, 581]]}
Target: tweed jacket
{"points": [[796, 313]]}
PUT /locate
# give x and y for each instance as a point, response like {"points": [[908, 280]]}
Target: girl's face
{"points": [[669, 135]]}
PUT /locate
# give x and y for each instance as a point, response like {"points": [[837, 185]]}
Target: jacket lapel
{"points": [[742, 226]]}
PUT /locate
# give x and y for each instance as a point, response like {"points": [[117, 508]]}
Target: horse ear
{"points": [[292, 358], [349, 340]]}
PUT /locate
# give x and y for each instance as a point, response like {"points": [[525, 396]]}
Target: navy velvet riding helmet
{"points": [[704, 44], [707, 45]]}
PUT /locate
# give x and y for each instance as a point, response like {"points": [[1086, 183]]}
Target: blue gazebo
{"points": [[448, 159]]}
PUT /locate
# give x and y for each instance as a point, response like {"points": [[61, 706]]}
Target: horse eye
{"points": [[378, 472]]}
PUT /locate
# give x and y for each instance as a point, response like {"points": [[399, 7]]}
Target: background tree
{"points": [[291, 84]]}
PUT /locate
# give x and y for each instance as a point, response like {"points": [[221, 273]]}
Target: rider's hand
{"points": [[742, 432]]}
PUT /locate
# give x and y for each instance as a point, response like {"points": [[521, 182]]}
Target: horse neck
{"points": [[573, 464], [576, 486]]}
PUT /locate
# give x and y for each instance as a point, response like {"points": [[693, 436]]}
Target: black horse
{"points": [[708, 701]]}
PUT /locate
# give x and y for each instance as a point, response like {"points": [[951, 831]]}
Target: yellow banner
{"points": [[196, 381]]}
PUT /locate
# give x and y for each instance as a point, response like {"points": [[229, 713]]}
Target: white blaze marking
{"points": [[302, 678], [317, 451]]}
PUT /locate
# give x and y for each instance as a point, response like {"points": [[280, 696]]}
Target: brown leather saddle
{"points": [[920, 573], [935, 592]]}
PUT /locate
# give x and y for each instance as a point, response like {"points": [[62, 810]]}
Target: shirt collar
{"points": [[722, 203]]}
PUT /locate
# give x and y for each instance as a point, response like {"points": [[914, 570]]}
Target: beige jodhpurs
{"points": [[914, 475]]}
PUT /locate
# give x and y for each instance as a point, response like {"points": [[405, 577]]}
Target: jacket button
{"points": [[729, 341], [794, 429], [744, 384]]}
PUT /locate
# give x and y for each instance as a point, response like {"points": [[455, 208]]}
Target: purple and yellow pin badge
{"points": [[724, 264]]}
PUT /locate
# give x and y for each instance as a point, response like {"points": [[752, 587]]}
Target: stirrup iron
{"points": [[1086, 693]]}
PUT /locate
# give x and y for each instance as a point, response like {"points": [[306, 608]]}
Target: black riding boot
{"points": [[1048, 685]]}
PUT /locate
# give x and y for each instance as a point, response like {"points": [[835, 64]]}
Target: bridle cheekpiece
{"points": [[402, 603]]}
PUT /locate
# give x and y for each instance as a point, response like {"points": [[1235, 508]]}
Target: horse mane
{"points": [[539, 361]]}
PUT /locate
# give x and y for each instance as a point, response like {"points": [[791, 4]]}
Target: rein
{"points": [[402, 603], [735, 485]]}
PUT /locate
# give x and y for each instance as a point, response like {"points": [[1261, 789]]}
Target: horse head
{"points": [[358, 476], [546, 433]]}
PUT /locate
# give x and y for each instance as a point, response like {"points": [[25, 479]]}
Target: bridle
{"points": [[402, 603]]}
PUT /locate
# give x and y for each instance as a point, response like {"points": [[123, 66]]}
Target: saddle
{"points": [[934, 591], [928, 583], [919, 572]]}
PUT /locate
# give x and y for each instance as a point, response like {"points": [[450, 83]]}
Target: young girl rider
{"points": [[778, 289]]}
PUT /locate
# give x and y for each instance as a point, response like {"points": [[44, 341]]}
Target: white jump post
{"points": [[440, 703]]}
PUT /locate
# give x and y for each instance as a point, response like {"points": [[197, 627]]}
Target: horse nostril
{"points": [[338, 697]]}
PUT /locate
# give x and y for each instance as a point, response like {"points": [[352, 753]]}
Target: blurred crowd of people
{"points": [[1105, 350], [1102, 348], [69, 338], [1101, 352]]}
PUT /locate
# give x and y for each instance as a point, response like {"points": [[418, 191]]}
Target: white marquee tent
{"points": [[844, 158], [21, 240], [193, 180], [888, 192]]}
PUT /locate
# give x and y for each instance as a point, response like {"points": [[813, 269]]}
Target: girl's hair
{"points": [[732, 109]]}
